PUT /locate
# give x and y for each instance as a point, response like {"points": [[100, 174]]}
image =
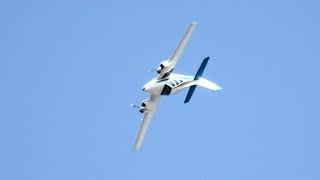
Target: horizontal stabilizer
{"points": [[196, 78], [200, 81], [208, 84]]}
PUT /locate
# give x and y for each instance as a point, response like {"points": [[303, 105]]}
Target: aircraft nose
{"points": [[144, 88], [147, 87]]}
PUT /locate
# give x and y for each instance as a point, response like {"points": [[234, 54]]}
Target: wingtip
{"points": [[194, 23], [135, 149]]}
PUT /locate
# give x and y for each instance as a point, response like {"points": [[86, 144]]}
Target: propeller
{"points": [[153, 70], [135, 106]]}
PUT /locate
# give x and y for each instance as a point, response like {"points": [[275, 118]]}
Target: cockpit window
{"points": [[176, 82], [171, 83], [162, 80], [180, 81]]}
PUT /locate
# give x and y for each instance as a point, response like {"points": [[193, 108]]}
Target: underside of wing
{"points": [[166, 67], [177, 53], [151, 108]]}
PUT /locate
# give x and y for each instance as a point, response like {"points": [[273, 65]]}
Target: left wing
{"points": [[151, 108], [167, 66], [176, 54]]}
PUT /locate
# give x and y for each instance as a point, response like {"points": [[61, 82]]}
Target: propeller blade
{"points": [[135, 106], [152, 70]]}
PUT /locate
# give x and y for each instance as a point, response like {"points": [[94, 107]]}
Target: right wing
{"points": [[151, 108]]}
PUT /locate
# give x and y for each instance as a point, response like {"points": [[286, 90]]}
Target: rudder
{"points": [[196, 77], [190, 92], [201, 68]]}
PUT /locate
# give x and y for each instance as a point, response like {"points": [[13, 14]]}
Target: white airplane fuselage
{"points": [[167, 83], [171, 85]]}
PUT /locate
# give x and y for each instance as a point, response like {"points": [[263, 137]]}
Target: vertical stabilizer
{"points": [[190, 92], [196, 77], [201, 68]]}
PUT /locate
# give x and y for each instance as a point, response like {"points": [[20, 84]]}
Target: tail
{"points": [[199, 81]]}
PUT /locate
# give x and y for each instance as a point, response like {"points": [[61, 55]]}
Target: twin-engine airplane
{"points": [[167, 83]]}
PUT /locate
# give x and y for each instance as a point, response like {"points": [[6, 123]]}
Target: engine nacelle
{"points": [[143, 106], [163, 65]]}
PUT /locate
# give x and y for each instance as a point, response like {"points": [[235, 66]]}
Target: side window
{"points": [[176, 82], [171, 83], [180, 81]]}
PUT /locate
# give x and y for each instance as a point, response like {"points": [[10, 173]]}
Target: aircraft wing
{"points": [[151, 108], [176, 54], [172, 61]]}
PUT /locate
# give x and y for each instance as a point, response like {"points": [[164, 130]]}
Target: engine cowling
{"points": [[159, 69], [163, 65], [143, 106]]}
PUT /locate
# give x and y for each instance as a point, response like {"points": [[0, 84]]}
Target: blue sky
{"points": [[70, 69]]}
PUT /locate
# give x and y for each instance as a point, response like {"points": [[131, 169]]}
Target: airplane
{"points": [[167, 83]]}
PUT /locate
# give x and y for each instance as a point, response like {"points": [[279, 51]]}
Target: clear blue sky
{"points": [[70, 69]]}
